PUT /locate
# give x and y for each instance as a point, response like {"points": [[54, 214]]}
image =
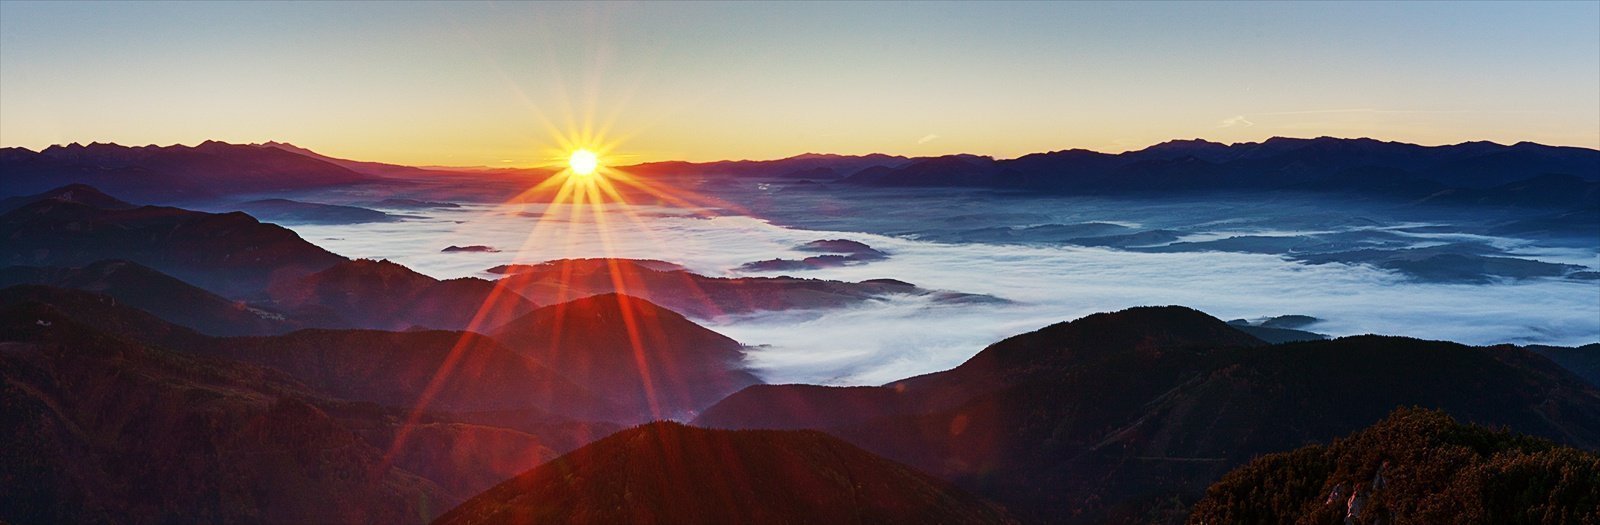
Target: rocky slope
{"points": [[1415, 466]]}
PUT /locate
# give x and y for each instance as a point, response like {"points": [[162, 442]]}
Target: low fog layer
{"points": [[887, 340]]}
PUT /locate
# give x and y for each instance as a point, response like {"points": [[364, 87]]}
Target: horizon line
{"points": [[270, 143]]}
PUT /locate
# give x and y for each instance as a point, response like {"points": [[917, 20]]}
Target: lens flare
{"points": [[592, 188]]}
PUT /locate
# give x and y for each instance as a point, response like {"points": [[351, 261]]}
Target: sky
{"points": [[496, 84]]}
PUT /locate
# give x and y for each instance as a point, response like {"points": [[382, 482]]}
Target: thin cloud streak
{"points": [[1237, 120]]}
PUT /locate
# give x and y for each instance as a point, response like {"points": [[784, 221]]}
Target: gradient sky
{"points": [[483, 84]]}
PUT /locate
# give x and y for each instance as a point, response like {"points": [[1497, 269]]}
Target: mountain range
{"points": [[231, 254], [1122, 417], [170, 173], [1107, 417], [1521, 175], [159, 364], [1524, 174]]}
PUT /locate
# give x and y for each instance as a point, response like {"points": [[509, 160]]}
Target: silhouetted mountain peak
{"points": [[1187, 143], [382, 268], [1138, 328], [671, 473], [364, 277], [589, 265], [1180, 319], [608, 316], [75, 193], [1186, 148], [651, 359], [611, 305], [384, 294], [836, 156]]}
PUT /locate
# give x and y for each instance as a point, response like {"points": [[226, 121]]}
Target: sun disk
{"points": [[583, 162]]}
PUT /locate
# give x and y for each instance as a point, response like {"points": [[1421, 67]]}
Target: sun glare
{"points": [[602, 193], [583, 162]]}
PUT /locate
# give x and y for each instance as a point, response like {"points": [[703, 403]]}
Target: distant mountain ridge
{"points": [[170, 173], [1556, 176], [804, 166], [379, 169], [1321, 164]]}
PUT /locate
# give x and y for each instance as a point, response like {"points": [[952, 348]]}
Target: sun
{"points": [[583, 162]]}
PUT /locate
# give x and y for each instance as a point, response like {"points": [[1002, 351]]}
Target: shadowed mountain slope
{"points": [[146, 255], [107, 314], [1583, 361], [1046, 354], [102, 429], [231, 254], [670, 473], [467, 371], [393, 369], [650, 359], [385, 295], [1415, 466], [1106, 417], [505, 424], [79, 193], [165, 296]]}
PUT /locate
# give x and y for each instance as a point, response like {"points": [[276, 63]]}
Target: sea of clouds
{"points": [[886, 340]]}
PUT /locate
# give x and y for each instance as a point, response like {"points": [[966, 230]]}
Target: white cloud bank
{"points": [[887, 340]]}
